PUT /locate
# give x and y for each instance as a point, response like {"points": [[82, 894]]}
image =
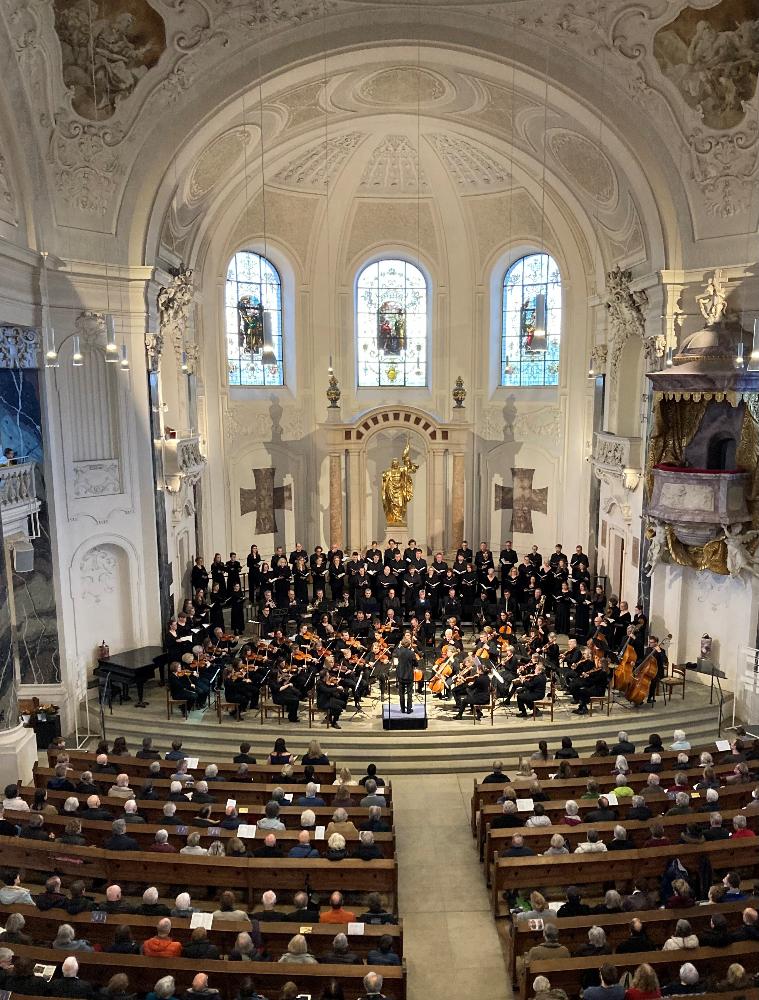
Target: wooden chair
{"points": [[267, 707], [600, 700], [546, 704], [314, 710], [171, 702], [675, 678], [226, 706]]}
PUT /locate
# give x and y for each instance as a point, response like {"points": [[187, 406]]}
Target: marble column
{"points": [[436, 501], [355, 501], [336, 536], [458, 493]]}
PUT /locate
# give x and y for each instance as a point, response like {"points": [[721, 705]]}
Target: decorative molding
{"points": [[320, 163], [496, 425], [586, 163], [394, 167], [154, 347], [617, 464], [626, 319], [216, 161], [96, 479], [98, 571], [404, 86], [90, 328], [183, 462], [472, 167], [174, 301], [19, 347], [8, 205]]}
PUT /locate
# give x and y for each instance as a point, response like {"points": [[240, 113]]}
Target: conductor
{"points": [[404, 660]]}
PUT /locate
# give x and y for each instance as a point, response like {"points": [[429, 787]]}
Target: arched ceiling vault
{"points": [[486, 134], [616, 68]]}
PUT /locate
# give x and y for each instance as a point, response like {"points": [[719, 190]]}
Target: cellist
{"points": [[655, 650]]}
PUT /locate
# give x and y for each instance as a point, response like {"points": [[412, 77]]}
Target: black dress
{"points": [[236, 602], [562, 609], [217, 611]]}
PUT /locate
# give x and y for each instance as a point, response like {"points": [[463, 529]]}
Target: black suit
{"points": [[70, 986], [533, 689], [404, 660]]}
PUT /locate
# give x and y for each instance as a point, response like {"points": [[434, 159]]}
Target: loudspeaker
{"points": [[23, 557]]}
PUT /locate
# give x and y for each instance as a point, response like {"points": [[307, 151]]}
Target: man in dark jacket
{"points": [[35, 830], [95, 811], [637, 941], [147, 752], [70, 985], [52, 898], [404, 661], [119, 840]]}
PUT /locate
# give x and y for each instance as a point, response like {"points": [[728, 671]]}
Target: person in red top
{"points": [[336, 914], [645, 985], [161, 843], [162, 945], [739, 827], [657, 838]]}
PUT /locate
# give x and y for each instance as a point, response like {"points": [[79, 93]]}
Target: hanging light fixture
{"points": [[739, 360], [124, 364], [111, 347], [268, 355], [591, 368], [48, 334], [753, 361], [77, 358], [539, 342]]}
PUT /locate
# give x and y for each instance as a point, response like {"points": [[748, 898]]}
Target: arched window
{"points": [[253, 321], [391, 324], [531, 330]]}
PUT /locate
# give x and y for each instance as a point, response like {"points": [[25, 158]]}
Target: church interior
{"points": [[383, 374]]}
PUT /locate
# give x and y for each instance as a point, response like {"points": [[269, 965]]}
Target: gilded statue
{"points": [[398, 488]]}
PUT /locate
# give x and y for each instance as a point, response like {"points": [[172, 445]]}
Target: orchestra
{"points": [[393, 619]]}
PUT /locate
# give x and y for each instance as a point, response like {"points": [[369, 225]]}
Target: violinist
{"points": [[236, 688], [331, 693], [392, 628], [472, 689], [533, 689], [283, 691], [181, 686], [592, 677], [378, 661]]}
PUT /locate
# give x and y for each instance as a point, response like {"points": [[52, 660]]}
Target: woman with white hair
{"points": [[688, 983], [680, 742], [336, 848], [297, 952], [620, 765], [182, 906], [597, 945], [66, 940], [542, 990], [164, 989], [558, 846], [572, 813]]}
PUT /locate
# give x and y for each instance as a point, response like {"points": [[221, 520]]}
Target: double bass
{"points": [[623, 672], [644, 676]]}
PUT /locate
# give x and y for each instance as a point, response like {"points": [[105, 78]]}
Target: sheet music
{"points": [[198, 919]]}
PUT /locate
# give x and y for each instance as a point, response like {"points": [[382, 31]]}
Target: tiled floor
{"points": [[450, 940]]}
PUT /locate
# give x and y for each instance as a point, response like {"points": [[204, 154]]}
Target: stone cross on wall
{"points": [[265, 500], [522, 500]]}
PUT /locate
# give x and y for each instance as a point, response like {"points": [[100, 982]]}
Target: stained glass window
{"points": [[254, 340], [391, 324], [531, 304]]}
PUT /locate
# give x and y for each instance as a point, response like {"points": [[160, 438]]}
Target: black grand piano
{"points": [[133, 666]]}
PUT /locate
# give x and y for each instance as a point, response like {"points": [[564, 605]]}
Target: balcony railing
{"points": [[18, 499]]}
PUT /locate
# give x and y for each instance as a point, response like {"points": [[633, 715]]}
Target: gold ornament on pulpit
{"points": [[398, 488]]}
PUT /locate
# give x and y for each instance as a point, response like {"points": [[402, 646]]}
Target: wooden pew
{"points": [[152, 810], [225, 976], [568, 972], [659, 924], [129, 764], [249, 876], [539, 838], [144, 833], [244, 792], [528, 873], [43, 926], [731, 797], [599, 766]]}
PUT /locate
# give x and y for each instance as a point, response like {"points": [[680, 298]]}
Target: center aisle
{"points": [[451, 944]]}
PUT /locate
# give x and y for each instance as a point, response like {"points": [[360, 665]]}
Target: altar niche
{"points": [[384, 447]]}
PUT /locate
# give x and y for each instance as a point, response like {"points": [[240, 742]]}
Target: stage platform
{"points": [[446, 745], [393, 718]]}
